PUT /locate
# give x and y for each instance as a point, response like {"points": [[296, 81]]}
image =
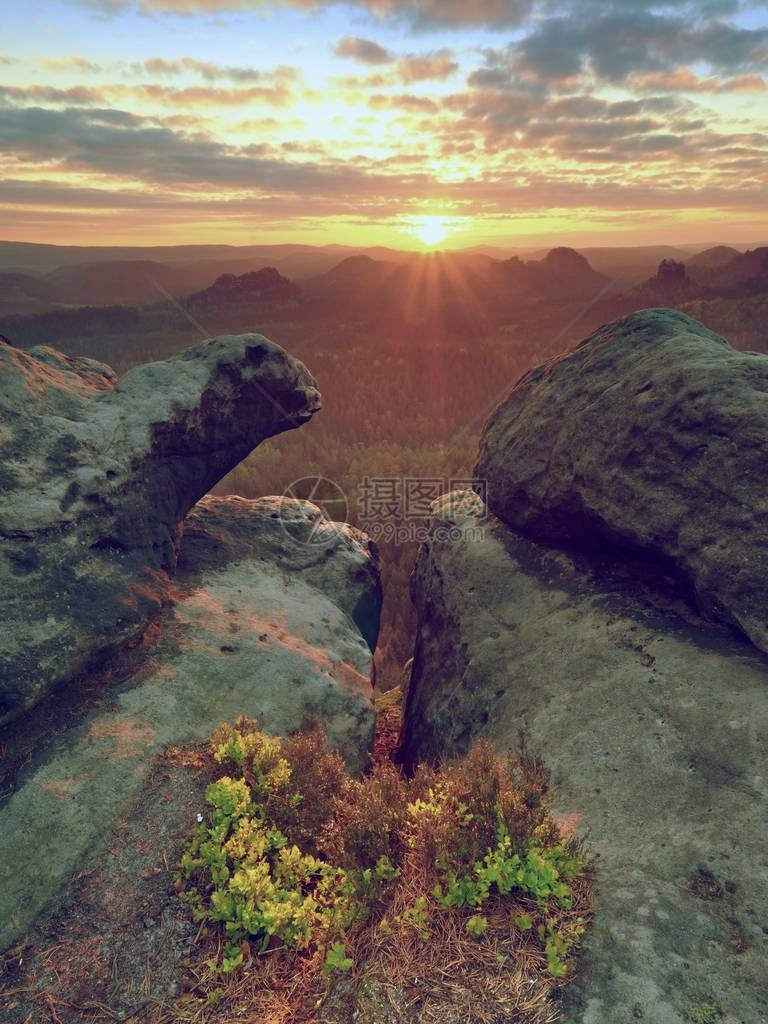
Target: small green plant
{"points": [[263, 888], [705, 1013], [477, 925], [416, 917], [336, 959], [297, 857]]}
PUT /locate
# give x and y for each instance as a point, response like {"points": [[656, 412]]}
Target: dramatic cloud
{"points": [[616, 44], [135, 148], [365, 50], [585, 106], [382, 197]]}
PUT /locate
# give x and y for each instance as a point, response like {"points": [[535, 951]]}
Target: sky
{"points": [[384, 122]]}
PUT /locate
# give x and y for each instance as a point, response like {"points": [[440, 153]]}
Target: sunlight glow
{"points": [[430, 229]]}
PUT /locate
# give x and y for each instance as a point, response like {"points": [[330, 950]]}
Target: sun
{"points": [[430, 229]]}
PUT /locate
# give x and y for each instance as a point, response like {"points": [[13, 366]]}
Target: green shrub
{"points": [[295, 853]]}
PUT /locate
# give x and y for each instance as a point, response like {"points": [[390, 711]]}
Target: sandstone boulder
{"points": [[263, 622], [651, 435], [654, 724], [97, 474]]}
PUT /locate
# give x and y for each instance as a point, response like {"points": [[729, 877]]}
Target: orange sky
{"points": [[511, 122]]}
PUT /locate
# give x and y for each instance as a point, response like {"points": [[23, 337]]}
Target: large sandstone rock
{"points": [[655, 726], [652, 435], [95, 477], [265, 622]]}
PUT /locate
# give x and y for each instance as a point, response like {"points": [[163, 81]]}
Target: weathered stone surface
{"points": [[295, 536], [655, 726], [95, 478], [652, 434], [261, 624]]}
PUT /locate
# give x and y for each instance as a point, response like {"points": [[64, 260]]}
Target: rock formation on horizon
{"points": [[266, 288]]}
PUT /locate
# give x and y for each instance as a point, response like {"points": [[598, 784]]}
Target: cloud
{"points": [[364, 50], [80, 95], [618, 43], [380, 196], [684, 79], [403, 101], [535, 135], [438, 65], [212, 72], [455, 13], [130, 147], [73, 63], [413, 67], [191, 96], [534, 127], [160, 66], [421, 14], [353, 83]]}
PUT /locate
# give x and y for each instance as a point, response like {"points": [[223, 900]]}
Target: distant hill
{"points": [[409, 299], [352, 278], [136, 282], [37, 258], [716, 256], [718, 274], [23, 293], [458, 291], [108, 275], [564, 271], [291, 259], [630, 265], [496, 252], [745, 274], [116, 282]]}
